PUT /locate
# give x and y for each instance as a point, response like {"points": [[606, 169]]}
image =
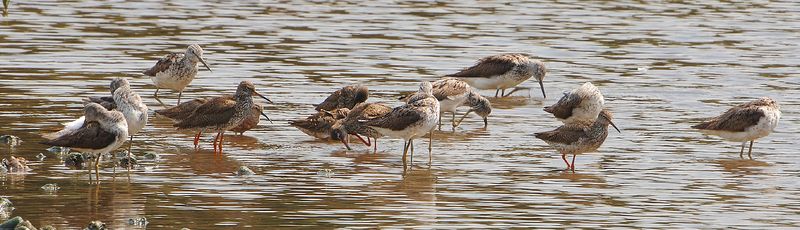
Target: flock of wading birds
{"points": [[110, 120]]}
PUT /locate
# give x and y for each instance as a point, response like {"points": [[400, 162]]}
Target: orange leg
{"points": [[197, 139], [221, 136], [215, 142]]}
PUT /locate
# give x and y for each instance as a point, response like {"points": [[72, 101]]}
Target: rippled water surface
{"points": [[661, 66]]}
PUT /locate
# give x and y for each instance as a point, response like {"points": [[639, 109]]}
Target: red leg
{"points": [[221, 136], [573, 161], [196, 139], [564, 157], [215, 142], [367, 143]]}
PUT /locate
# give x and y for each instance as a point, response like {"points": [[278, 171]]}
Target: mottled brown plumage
{"points": [[105, 101], [185, 109], [490, 66], [577, 139], [319, 125], [350, 125], [503, 71], [346, 97], [99, 131], [736, 119], [745, 122], [90, 136], [251, 121], [220, 114], [563, 108], [164, 63], [177, 70]]}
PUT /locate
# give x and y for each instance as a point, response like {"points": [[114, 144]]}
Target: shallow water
{"points": [[661, 66]]}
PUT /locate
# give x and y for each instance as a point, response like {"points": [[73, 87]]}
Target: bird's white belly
{"points": [[504, 81], [452, 103], [762, 129], [136, 122], [169, 79]]}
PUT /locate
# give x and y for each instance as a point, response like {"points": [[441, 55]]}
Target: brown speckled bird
{"points": [[319, 124], [184, 110], [176, 70], [221, 115], [577, 139], [350, 125], [346, 97]]}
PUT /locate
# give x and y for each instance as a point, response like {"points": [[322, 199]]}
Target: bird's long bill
{"points": [[541, 86], [612, 124], [205, 64], [262, 96], [265, 115], [346, 141], [485, 122], [462, 117]]}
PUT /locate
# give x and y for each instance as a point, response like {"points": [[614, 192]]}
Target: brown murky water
{"points": [[662, 66]]}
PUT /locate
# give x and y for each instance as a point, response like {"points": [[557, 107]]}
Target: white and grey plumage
{"points": [[99, 132], [745, 122], [412, 120], [579, 106], [578, 139], [453, 93], [503, 71], [123, 99], [221, 115], [350, 125], [176, 70]]}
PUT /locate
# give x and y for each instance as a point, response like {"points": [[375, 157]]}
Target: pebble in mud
{"points": [[5, 208], [151, 156], [126, 162], [40, 156], [10, 140], [50, 188], [74, 160], [245, 171], [17, 223], [140, 221], [96, 225], [58, 150]]}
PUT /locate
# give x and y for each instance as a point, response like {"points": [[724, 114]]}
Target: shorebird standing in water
{"points": [[220, 115], [346, 97], [453, 93], [579, 106], [98, 132], [503, 71], [350, 125], [578, 139], [412, 120], [320, 124], [184, 110], [129, 103], [745, 122], [176, 70]]}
